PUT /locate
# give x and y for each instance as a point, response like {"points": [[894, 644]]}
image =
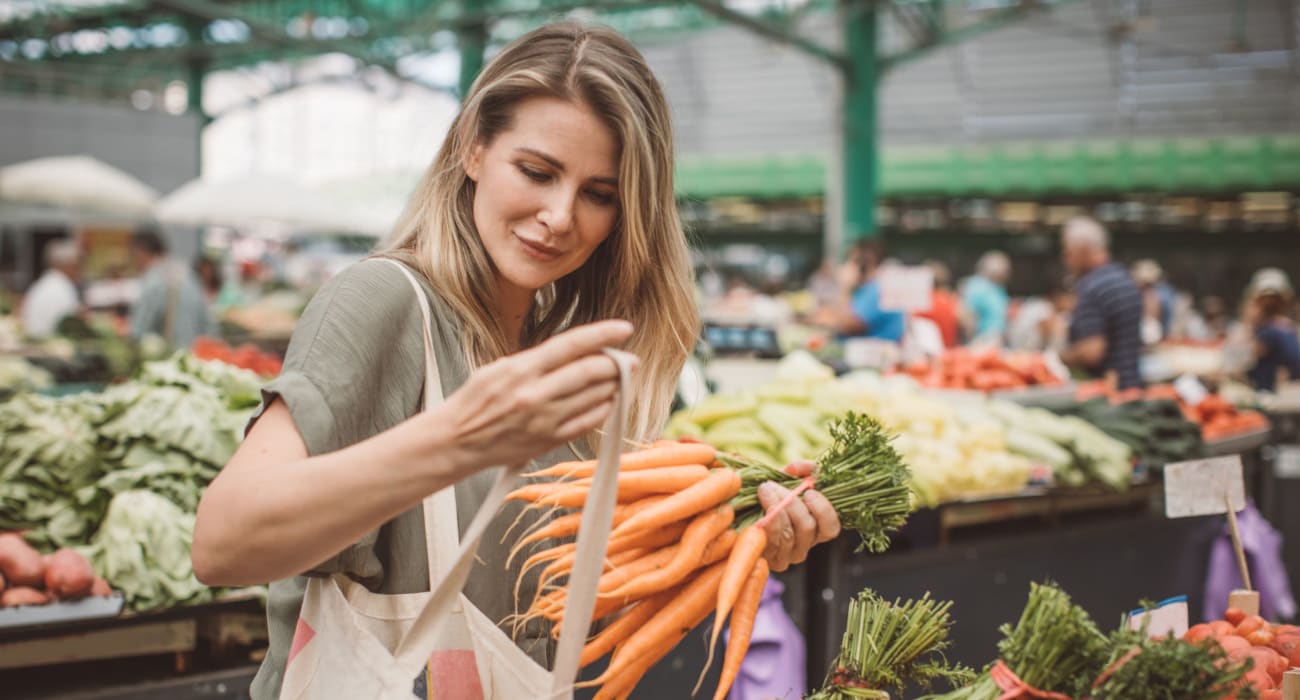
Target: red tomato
{"points": [[1222, 629], [1234, 616], [1198, 633], [1251, 624], [1261, 638]]}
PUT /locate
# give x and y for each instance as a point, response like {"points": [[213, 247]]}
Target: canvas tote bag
{"points": [[351, 643]]}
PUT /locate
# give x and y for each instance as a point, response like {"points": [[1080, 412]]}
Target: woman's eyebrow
{"points": [[555, 163]]}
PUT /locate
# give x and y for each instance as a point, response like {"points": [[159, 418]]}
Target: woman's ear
{"points": [[473, 161]]}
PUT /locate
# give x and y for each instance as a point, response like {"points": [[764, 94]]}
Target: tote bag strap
{"points": [[441, 529], [593, 537]]}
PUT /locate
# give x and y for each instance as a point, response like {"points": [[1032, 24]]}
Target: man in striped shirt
{"points": [[1105, 331]]}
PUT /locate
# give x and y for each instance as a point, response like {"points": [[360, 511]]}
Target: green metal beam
{"points": [[783, 35], [473, 42], [992, 22], [860, 154]]}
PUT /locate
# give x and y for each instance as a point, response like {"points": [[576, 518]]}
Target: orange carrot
{"points": [[567, 525], [631, 487], [742, 627], [658, 456], [608, 605], [653, 539], [703, 531], [719, 486], [748, 549], [657, 637], [624, 626]]}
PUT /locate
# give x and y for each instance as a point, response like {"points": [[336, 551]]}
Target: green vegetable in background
{"points": [[890, 645], [1169, 668], [1055, 647], [142, 549]]}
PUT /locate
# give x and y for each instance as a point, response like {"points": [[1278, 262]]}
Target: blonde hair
{"points": [[641, 272]]}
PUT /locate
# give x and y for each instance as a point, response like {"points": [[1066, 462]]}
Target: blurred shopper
{"points": [[945, 308], [172, 303], [1267, 315], [1105, 329], [1150, 278], [210, 277], [54, 296], [856, 312], [985, 297], [1187, 322], [1215, 312], [1040, 323]]}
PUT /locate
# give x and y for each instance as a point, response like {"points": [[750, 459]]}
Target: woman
{"points": [[1276, 345], [548, 211]]}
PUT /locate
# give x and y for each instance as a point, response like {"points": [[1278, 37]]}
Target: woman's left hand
{"points": [[808, 520]]}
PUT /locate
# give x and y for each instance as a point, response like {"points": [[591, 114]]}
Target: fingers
{"points": [[585, 423], [805, 530], [579, 342], [800, 468], [828, 521], [579, 403], [578, 375], [780, 531]]}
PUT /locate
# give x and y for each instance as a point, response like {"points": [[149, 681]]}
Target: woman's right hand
{"points": [[526, 404]]}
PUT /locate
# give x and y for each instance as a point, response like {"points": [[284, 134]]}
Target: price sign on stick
{"points": [[1212, 487], [906, 289], [1167, 619], [1204, 487]]}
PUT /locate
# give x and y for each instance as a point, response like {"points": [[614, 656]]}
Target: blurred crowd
{"points": [[1099, 318]]}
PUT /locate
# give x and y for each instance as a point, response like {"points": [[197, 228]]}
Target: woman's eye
{"points": [[534, 175], [602, 198]]}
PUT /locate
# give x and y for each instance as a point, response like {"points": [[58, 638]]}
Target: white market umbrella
{"points": [[371, 203], [79, 183], [252, 200]]}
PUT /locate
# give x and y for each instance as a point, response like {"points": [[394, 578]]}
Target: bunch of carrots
{"points": [[688, 540]]}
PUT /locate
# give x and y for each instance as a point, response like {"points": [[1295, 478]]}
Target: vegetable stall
{"points": [[101, 487]]}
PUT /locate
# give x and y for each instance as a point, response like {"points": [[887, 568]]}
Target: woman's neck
{"points": [[514, 304]]}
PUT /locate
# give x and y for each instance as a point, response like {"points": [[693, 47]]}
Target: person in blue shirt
{"points": [[857, 312], [1276, 345], [985, 296]]}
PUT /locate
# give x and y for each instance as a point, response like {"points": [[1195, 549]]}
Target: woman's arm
{"points": [[275, 512]]}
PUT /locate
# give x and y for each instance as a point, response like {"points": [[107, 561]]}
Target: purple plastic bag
{"points": [[774, 666], [1263, 547]]}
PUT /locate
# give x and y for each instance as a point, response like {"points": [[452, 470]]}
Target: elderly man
{"points": [[1105, 330], [54, 295], [985, 296]]}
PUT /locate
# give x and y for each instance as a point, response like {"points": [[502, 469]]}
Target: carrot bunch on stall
{"points": [[688, 539]]}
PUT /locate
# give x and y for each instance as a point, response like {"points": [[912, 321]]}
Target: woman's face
{"points": [[547, 192]]}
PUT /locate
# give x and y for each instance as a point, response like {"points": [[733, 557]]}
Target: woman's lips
{"points": [[539, 251]]}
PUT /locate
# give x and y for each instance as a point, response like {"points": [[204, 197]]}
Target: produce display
{"points": [[246, 356], [1155, 429], [1274, 648], [1217, 418], [891, 646], [28, 578], [688, 540], [18, 375], [1056, 652], [65, 461], [983, 370], [957, 446]]}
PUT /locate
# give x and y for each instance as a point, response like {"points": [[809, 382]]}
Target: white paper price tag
{"points": [[1167, 619], [1199, 487], [906, 289], [1190, 390]]}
